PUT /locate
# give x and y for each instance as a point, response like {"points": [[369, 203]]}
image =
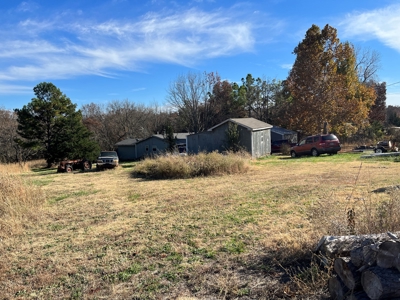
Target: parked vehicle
{"points": [[276, 146], [107, 160], [316, 144], [385, 146], [70, 165]]}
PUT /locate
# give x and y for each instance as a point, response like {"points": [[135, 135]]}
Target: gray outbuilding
{"points": [[254, 137], [133, 149], [279, 133], [126, 149]]}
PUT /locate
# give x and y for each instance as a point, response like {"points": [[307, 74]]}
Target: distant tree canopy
{"points": [[116, 121], [378, 109], [393, 115], [258, 97], [51, 125], [10, 150], [324, 86]]}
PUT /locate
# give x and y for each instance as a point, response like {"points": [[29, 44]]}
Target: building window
{"points": [[154, 149], [147, 148]]}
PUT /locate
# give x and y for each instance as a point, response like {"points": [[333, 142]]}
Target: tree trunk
{"points": [[357, 254], [361, 295], [381, 283], [388, 254], [346, 271], [336, 288]]}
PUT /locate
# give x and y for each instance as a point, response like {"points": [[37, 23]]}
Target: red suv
{"points": [[316, 145]]}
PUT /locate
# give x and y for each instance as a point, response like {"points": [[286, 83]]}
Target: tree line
{"points": [[331, 82]]}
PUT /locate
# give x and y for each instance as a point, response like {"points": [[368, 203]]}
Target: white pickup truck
{"points": [[107, 160], [385, 146]]}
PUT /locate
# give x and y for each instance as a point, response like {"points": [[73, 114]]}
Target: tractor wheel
{"points": [[68, 168], [86, 165]]}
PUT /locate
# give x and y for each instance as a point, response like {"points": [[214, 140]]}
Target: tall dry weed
{"points": [[15, 168], [20, 204], [372, 211], [203, 164]]}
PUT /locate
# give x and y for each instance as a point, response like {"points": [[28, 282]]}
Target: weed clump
{"points": [[203, 164], [20, 204]]}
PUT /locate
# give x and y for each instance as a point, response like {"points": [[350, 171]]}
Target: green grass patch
{"points": [[133, 197], [127, 273], [234, 246], [42, 182], [72, 195], [284, 159]]}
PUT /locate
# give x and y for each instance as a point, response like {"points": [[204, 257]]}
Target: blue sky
{"points": [[100, 51]]}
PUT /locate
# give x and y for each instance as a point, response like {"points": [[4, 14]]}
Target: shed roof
{"points": [[281, 130], [127, 142], [130, 142], [179, 135], [249, 123]]}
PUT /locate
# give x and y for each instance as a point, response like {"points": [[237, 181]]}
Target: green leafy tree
{"points": [[258, 97], [233, 138], [51, 125], [324, 85], [224, 103], [170, 138]]}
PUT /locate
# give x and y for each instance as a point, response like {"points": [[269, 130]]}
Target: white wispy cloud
{"points": [[55, 48], [381, 24], [15, 89], [27, 6], [138, 89], [287, 66]]}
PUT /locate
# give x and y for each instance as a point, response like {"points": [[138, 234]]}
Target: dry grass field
{"points": [[111, 235]]}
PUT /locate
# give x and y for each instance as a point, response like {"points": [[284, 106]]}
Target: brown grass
{"points": [[238, 236], [203, 164], [20, 204], [16, 168]]}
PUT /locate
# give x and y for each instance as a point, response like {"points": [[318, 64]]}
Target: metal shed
{"points": [[126, 149], [133, 149], [279, 133], [254, 136]]}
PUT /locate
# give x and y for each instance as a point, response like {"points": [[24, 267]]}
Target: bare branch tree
{"points": [[189, 96], [367, 64], [10, 150], [116, 121]]}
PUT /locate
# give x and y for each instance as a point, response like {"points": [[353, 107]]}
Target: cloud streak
{"points": [[381, 24], [39, 50]]}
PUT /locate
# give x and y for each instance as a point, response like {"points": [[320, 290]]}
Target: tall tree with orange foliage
{"points": [[324, 86]]}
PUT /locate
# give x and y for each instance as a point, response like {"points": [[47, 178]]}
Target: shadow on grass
{"points": [[262, 276]]}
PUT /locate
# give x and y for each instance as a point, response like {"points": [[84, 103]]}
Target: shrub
{"points": [[203, 164], [20, 204], [285, 149]]}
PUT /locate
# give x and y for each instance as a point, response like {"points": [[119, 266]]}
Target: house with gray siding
{"points": [[254, 137], [133, 149]]}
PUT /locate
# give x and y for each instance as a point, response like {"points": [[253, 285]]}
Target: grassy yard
{"points": [[111, 235]]}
